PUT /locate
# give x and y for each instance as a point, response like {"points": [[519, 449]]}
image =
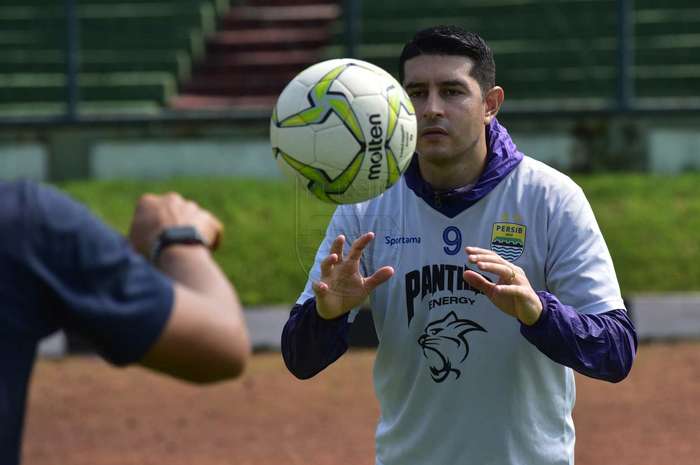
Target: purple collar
{"points": [[502, 158]]}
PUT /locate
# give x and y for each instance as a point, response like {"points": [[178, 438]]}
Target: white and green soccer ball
{"points": [[345, 129]]}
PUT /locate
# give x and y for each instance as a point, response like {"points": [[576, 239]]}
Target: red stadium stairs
{"points": [[256, 52]]}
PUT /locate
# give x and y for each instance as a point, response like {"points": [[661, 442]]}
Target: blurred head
{"points": [[449, 74]]}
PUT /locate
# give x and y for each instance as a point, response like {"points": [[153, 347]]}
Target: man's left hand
{"points": [[512, 293]]}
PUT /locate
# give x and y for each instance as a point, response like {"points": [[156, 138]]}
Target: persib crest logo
{"points": [[508, 240]]}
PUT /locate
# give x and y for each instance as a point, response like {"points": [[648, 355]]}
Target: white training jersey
{"points": [[457, 382]]}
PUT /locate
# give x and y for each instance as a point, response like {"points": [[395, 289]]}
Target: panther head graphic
{"points": [[443, 339]]}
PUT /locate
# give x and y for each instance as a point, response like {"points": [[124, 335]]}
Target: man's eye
{"points": [[452, 92], [416, 94]]}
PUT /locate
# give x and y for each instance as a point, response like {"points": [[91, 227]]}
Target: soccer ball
{"points": [[345, 129]]}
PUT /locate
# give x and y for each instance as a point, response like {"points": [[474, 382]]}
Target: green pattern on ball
{"points": [[325, 103], [394, 172], [320, 184]]}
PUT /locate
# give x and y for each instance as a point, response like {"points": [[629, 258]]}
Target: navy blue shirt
{"points": [[60, 267]]}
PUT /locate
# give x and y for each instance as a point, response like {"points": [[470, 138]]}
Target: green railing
{"points": [[558, 56], [553, 56]]}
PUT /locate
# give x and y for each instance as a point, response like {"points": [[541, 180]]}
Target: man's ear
{"points": [[494, 99]]}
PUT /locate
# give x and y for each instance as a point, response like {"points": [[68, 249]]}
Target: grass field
{"points": [[650, 224], [258, 253]]}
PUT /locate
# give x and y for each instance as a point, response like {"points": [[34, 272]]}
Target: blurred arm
{"points": [[93, 282], [205, 338]]}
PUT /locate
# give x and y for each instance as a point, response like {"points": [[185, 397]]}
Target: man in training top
{"points": [[489, 281]]}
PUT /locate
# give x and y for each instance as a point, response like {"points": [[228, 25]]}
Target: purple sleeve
{"points": [[310, 343], [600, 346]]}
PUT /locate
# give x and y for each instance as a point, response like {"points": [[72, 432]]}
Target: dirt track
{"points": [[83, 412]]}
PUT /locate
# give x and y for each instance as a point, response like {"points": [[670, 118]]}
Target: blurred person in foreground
{"points": [[504, 282], [60, 267]]}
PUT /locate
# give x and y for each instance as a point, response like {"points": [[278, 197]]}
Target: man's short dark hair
{"points": [[451, 41]]}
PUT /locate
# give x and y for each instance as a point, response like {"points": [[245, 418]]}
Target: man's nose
{"points": [[433, 106]]}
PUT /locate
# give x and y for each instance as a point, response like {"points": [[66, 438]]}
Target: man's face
{"points": [[449, 106]]}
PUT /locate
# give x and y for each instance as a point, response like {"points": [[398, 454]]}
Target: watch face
{"points": [[181, 235], [175, 235]]}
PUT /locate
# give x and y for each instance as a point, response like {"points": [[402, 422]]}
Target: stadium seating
{"points": [[668, 47], [257, 51], [552, 53], [133, 54], [144, 55]]}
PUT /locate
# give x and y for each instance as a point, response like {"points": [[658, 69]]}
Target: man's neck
{"points": [[455, 174]]}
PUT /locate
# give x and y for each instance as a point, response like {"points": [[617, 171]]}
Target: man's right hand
{"points": [[157, 212], [342, 287]]}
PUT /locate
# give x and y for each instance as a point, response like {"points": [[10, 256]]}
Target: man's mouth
{"points": [[433, 133]]}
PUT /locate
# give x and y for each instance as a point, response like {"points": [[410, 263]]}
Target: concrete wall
{"points": [[145, 150], [159, 150], [674, 150], [159, 159], [23, 160]]}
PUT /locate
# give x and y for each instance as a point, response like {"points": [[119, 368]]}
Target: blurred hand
{"points": [[342, 287], [512, 293], [157, 212]]}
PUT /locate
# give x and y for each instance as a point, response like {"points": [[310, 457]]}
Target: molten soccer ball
{"points": [[345, 128]]}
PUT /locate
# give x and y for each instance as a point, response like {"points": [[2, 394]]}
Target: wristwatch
{"points": [[175, 235]]}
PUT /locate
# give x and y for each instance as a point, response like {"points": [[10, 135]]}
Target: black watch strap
{"points": [[175, 235]]}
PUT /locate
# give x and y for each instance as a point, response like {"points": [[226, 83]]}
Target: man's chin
{"points": [[434, 154]]}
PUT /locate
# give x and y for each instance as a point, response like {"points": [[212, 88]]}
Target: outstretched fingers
{"points": [[476, 280], [505, 272], [491, 262], [337, 247], [476, 255], [326, 270], [357, 247], [327, 264], [492, 290], [319, 286], [379, 277], [510, 291]]}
